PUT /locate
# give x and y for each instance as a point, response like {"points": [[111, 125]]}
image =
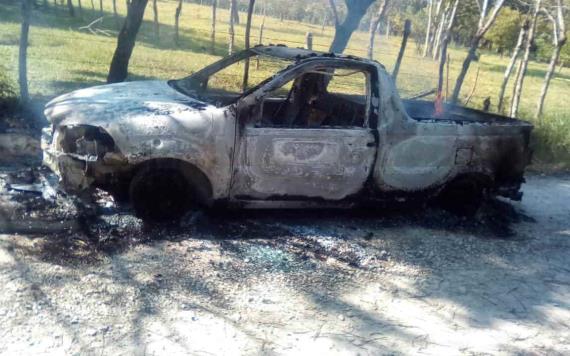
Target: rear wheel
{"points": [[160, 194], [462, 197]]}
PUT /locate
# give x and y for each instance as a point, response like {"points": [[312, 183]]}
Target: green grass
{"points": [[63, 58]]}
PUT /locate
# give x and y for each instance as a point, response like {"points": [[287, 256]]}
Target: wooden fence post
{"points": [[309, 41]]}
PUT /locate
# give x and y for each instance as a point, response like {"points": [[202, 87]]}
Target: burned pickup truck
{"points": [[302, 129]]}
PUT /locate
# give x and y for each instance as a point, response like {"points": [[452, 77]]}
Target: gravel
{"points": [[334, 282]]}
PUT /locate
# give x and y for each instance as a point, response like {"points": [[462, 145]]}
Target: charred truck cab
{"points": [[310, 130]]}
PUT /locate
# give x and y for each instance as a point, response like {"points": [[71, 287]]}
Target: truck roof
{"points": [[284, 52]]}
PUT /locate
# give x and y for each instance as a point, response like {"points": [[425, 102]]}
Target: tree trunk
{"points": [[231, 28], [433, 27], [101, 7], [156, 23], [177, 23], [247, 32], [524, 64], [485, 23], [440, 32], [119, 69], [375, 24], [449, 21], [407, 31], [343, 31], [262, 25], [511, 66], [235, 12], [70, 8], [80, 8], [559, 35], [115, 14], [213, 32], [23, 52], [324, 22], [428, 28]]}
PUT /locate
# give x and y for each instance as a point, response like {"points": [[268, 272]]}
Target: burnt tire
{"points": [[462, 197], [160, 194]]}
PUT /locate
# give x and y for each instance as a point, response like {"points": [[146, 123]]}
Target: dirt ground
{"points": [[410, 281]]}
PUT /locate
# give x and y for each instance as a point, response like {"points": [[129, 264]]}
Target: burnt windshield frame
{"points": [[197, 83]]}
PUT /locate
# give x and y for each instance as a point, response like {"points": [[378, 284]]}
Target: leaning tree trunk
{"points": [[547, 79], [524, 64], [70, 8], [119, 69], [23, 53], [434, 27], [559, 32], [428, 28], [345, 29], [407, 32], [247, 33], [156, 23], [485, 24], [231, 34], [449, 21], [522, 36], [374, 26], [213, 31], [177, 23]]}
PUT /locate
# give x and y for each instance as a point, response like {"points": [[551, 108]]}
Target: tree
{"points": [[119, 69], [486, 20], [231, 33], [234, 13], [432, 25], [356, 9], [115, 14], [156, 23], [375, 24], [446, 25], [247, 33], [23, 53], [516, 52], [213, 32], [177, 22], [524, 62], [80, 8], [503, 35], [559, 40], [70, 8]]}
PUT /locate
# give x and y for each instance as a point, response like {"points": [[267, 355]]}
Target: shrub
{"points": [[8, 94], [552, 140]]}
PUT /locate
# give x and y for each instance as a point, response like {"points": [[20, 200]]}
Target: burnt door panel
{"points": [[303, 164]]}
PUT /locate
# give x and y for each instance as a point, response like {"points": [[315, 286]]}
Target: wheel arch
{"points": [[198, 180]]}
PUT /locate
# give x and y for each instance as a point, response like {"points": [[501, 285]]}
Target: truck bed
{"points": [[424, 111]]}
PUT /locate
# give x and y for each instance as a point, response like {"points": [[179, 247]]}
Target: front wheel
{"points": [[160, 194]]}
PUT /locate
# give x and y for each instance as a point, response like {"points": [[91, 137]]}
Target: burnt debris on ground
{"points": [[284, 239]]}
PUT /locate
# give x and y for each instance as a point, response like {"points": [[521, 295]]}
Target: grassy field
{"points": [[62, 57]]}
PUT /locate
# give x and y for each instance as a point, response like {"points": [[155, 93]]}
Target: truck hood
{"points": [[133, 101]]}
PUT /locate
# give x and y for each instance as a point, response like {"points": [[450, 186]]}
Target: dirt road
{"points": [[323, 282]]}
